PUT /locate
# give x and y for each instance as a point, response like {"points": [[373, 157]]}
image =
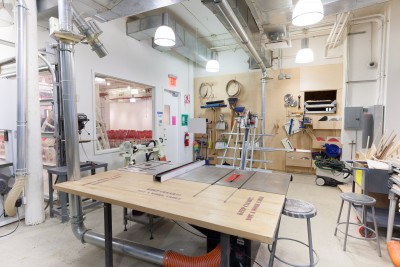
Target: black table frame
{"points": [[61, 172], [225, 240]]}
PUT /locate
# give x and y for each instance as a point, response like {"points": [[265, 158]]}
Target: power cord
{"points": [[84, 151], [15, 229], [188, 230], [213, 239], [48, 202], [334, 166]]}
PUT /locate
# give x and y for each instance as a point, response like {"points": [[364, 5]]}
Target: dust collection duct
{"points": [[239, 21], [21, 60], [67, 80]]}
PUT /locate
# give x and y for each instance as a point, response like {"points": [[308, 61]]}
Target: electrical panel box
{"points": [[353, 118]]}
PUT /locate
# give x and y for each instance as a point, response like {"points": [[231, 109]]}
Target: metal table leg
{"points": [[108, 235], [125, 214], [63, 201], [51, 194], [274, 244], [310, 245], [225, 250], [392, 211]]}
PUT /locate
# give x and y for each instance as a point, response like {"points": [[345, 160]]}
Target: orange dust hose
{"points": [[174, 259]]}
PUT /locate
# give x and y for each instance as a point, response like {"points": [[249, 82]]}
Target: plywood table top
{"points": [[246, 213]]}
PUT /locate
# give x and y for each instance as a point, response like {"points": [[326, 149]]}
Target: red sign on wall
{"points": [[187, 99], [172, 80]]}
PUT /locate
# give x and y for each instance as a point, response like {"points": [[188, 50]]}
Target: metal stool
{"points": [[364, 201], [297, 209]]}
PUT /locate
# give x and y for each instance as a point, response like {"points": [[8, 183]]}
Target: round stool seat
{"points": [[359, 199], [299, 209]]}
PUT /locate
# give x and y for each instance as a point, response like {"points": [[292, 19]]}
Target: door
{"points": [[171, 123]]}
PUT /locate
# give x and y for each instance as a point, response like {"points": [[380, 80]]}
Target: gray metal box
{"points": [[353, 118]]}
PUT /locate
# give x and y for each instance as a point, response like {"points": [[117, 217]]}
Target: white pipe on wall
{"points": [[380, 20], [34, 209]]}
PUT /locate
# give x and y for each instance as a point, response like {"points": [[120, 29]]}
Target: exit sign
{"points": [[172, 80]]}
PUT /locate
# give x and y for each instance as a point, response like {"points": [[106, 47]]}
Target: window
{"points": [[124, 112]]}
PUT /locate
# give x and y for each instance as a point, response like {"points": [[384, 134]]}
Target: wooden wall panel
{"points": [[276, 112]]}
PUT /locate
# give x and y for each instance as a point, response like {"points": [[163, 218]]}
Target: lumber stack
{"points": [[387, 149]]}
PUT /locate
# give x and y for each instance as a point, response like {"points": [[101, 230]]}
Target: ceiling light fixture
{"points": [[165, 35], [307, 12], [132, 100], [99, 80], [108, 83], [305, 54], [213, 64]]}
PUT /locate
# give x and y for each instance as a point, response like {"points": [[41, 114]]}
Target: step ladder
{"points": [[244, 144]]}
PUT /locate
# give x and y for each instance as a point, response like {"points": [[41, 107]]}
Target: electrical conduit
{"points": [[21, 171]]}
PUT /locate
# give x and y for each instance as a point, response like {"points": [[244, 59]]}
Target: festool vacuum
{"points": [[331, 170]]}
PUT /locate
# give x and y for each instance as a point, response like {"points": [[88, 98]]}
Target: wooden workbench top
{"points": [[249, 214]]}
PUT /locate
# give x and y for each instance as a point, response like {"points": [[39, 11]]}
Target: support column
{"points": [[34, 212]]}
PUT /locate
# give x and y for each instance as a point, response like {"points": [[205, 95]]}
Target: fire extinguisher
{"points": [[186, 139]]}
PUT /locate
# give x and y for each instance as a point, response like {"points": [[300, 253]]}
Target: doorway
{"points": [[171, 121]]}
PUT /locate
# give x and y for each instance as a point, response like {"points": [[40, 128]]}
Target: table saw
{"points": [[238, 203]]}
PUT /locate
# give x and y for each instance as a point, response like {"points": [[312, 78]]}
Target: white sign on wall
{"points": [[8, 104]]}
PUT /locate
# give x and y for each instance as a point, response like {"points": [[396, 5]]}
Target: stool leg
{"points": [[376, 232], [347, 227], [310, 246], [338, 219], [272, 256]]}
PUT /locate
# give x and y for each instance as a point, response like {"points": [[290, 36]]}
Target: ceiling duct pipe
{"points": [[186, 43], [91, 31], [230, 16], [21, 60]]}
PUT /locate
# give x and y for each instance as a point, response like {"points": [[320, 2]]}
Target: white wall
{"points": [[237, 61], [393, 74], [130, 60], [317, 44], [131, 116], [363, 46], [229, 62]]}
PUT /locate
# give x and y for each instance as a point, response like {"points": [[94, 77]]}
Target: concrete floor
{"points": [[52, 243]]}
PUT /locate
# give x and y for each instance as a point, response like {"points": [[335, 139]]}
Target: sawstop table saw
{"points": [[235, 203]]}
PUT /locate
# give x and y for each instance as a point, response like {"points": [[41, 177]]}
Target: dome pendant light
{"points": [[305, 54], [165, 35], [213, 64], [307, 12]]}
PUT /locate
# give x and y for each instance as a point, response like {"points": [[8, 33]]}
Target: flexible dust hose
{"points": [[13, 196], [211, 259]]}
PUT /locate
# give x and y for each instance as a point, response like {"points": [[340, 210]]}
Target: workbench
{"points": [[235, 203], [61, 173]]}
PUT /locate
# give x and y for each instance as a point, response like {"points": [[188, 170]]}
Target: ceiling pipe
{"points": [[91, 33], [230, 16]]}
